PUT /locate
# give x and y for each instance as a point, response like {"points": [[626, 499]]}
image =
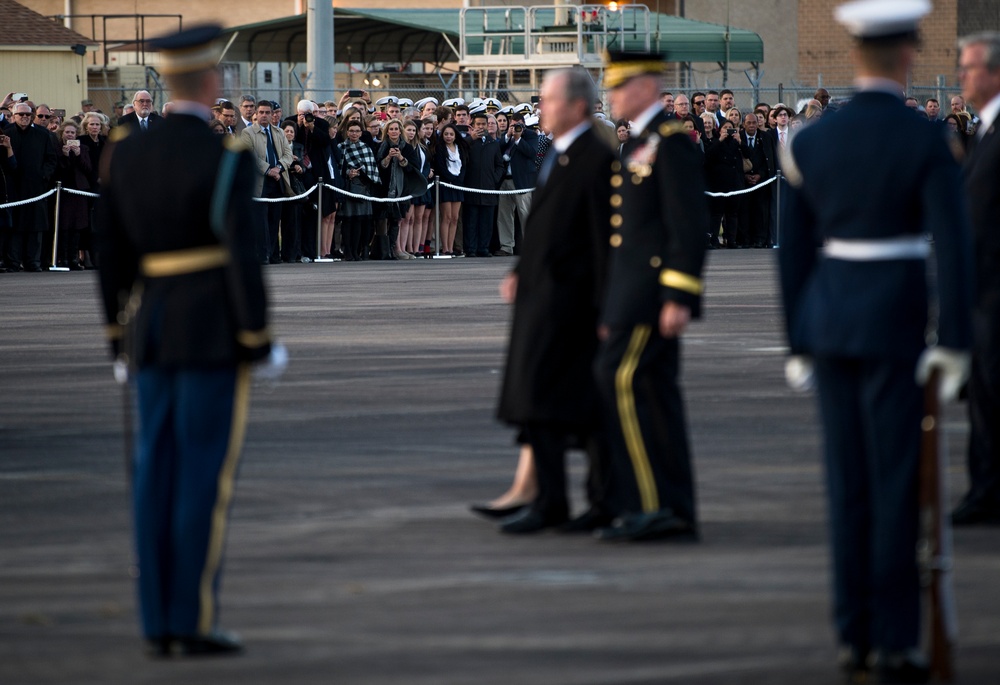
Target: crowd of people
{"points": [[391, 147]]}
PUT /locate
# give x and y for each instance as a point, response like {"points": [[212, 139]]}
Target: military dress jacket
{"points": [[659, 220], [187, 290], [904, 182]]}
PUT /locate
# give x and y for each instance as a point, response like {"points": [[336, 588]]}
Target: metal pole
{"points": [[777, 209], [319, 223], [319, 50], [55, 233]]}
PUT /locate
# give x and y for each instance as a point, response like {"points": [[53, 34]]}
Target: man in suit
{"points": [[274, 157], [979, 74], [758, 147], [658, 224], [185, 311], [248, 107], [143, 118], [520, 148], [485, 171], [726, 102], [549, 390], [227, 116], [36, 154], [854, 285]]}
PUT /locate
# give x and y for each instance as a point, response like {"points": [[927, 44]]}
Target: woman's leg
{"points": [[525, 486], [326, 230]]}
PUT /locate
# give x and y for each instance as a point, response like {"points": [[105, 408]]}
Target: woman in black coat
{"points": [[724, 171], [396, 159], [451, 160], [74, 171]]}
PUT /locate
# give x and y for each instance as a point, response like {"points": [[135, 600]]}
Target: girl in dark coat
{"points": [[724, 169], [74, 171], [451, 158]]}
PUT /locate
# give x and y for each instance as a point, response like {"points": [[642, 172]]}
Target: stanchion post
{"points": [[55, 233], [777, 209], [319, 223], [437, 219]]}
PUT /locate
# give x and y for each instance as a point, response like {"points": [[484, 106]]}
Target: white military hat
{"points": [[478, 108], [881, 19], [531, 120], [405, 102], [493, 103], [420, 103], [509, 109], [453, 102], [387, 100], [524, 108]]}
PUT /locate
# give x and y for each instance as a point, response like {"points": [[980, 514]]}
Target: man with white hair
{"points": [[143, 117]]}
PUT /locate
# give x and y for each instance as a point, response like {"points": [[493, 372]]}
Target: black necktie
{"points": [[272, 153]]}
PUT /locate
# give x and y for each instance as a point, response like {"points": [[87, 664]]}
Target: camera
{"points": [[518, 127]]}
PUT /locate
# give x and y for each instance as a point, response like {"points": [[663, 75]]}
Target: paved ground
{"points": [[351, 555]]}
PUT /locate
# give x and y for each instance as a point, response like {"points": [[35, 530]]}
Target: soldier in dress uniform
{"points": [[658, 224], [185, 305], [855, 288]]}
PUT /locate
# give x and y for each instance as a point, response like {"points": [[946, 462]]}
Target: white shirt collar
{"points": [[562, 143], [642, 121], [988, 115], [879, 85]]}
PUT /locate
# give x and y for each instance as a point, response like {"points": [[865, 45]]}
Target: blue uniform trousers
{"points": [[190, 433], [871, 412]]}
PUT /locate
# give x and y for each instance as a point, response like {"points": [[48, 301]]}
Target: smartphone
{"points": [[355, 93], [61, 113], [462, 128], [535, 99], [20, 97], [73, 143]]}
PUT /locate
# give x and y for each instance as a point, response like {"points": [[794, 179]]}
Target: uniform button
{"points": [[616, 240], [616, 181], [616, 200], [655, 262], [616, 221], [616, 166], [636, 179]]}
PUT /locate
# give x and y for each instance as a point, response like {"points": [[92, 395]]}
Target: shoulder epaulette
{"points": [[119, 133], [670, 128]]}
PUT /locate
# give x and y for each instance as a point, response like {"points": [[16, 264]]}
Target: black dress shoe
{"points": [[492, 513], [855, 664], [589, 521], [658, 525], [902, 667], [216, 643], [158, 647], [974, 514], [35, 269], [532, 521]]}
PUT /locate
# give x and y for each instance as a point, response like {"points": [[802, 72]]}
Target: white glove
{"points": [[120, 370], [272, 368], [799, 373], [954, 365]]}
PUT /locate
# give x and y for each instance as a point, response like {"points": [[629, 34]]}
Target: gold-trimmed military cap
{"points": [[195, 49], [623, 66], [870, 21]]}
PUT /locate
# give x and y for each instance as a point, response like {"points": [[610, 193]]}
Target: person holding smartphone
{"points": [[74, 171]]}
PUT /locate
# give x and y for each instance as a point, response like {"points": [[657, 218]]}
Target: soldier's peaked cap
{"points": [[882, 20], [621, 67], [194, 49]]}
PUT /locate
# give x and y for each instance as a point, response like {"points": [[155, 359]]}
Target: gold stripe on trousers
{"points": [[227, 476], [627, 415]]}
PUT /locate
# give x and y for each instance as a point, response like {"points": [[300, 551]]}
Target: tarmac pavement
{"points": [[351, 554]]}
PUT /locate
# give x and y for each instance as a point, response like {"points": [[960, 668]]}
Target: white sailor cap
{"points": [[524, 108], [420, 103], [600, 115], [508, 110], [493, 104], [477, 108], [453, 102], [882, 19], [387, 100], [531, 120], [405, 102]]}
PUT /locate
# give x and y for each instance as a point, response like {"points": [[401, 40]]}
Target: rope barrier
{"points": [[286, 199], [487, 192], [19, 203], [745, 190], [83, 193], [405, 198]]}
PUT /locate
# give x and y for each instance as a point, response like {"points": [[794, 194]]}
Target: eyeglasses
{"points": [[698, 102], [145, 102], [22, 114], [43, 116]]}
